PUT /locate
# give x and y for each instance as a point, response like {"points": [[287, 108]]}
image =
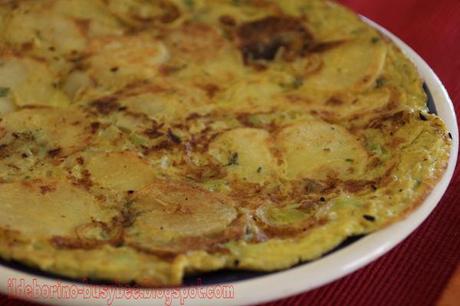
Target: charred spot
{"points": [[83, 24], [27, 46], [44, 189], [210, 89], [194, 116], [114, 69], [171, 12], [334, 101], [80, 160], [77, 60], [422, 117], [54, 152], [200, 143], [357, 185], [72, 243], [163, 145], [390, 122], [227, 20], [450, 135], [306, 204], [173, 137], [170, 69], [369, 218], [209, 171], [313, 186], [153, 133], [84, 181], [60, 242], [94, 127], [4, 151], [245, 119], [263, 38], [105, 105]]}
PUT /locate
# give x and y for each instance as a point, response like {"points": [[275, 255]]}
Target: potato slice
{"points": [[30, 82], [92, 15], [352, 66], [65, 130], [250, 96], [162, 101], [167, 213], [116, 62], [246, 154], [45, 209], [318, 150], [121, 171], [32, 24], [141, 13]]}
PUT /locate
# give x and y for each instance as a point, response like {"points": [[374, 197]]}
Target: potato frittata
{"points": [[141, 141]]}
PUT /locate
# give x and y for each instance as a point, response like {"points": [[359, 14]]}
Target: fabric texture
{"points": [[416, 271]]}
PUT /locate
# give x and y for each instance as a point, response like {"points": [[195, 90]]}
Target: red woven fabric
{"points": [[416, 271]]}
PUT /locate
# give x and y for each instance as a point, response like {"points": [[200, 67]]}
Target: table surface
{"points": [[416, 272]]}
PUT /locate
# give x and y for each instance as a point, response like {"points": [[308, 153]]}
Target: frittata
{"points": [[145, 140]]}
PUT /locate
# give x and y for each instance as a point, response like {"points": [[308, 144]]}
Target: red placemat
{"points": [[416, 271]]}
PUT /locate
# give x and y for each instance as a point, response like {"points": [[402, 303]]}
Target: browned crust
{"points": [[262, 39]]}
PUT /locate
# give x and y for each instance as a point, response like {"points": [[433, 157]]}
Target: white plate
{"points": [[286, 283]]}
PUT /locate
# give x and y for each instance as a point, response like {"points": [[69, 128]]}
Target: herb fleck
{"points": [[233, 159], [189, 3], [379, 82], [297, 83], [4, 91]]}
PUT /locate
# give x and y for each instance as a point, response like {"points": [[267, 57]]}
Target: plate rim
{"points": [[322, 271]]}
